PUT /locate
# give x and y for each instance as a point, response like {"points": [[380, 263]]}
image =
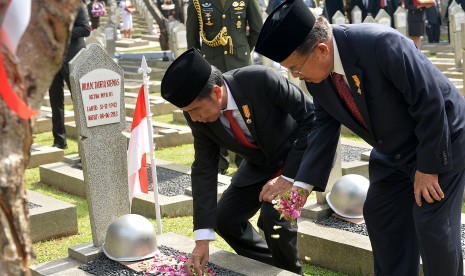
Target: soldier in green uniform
{"points": [[225, 32]]}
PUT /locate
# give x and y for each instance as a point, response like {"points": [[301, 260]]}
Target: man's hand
{"points": [[427, 186], [199, 257], [274, 188]]}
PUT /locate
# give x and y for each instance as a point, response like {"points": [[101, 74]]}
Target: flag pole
{"points": [[145, 70]]}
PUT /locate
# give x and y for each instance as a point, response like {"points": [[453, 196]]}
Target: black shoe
{"points": [[60, 146], [223, 171]]}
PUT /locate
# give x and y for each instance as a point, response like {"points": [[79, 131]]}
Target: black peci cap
{"points": [[285, 29], [185, 78]]}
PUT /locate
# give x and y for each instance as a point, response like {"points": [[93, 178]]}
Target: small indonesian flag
{"points": [[138, 148]]}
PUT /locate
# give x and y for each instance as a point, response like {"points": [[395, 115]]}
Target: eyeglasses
{"points": [[299, 72]]}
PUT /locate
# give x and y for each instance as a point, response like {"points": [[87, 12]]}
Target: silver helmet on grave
{"points": [[130, 238], [348, 195]]}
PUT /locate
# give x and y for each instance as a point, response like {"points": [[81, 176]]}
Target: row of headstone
{"points": [[456, 19], [177, 37], [400, 18]]}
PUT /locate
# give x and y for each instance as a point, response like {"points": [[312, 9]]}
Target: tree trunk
{"points": [[156, 14], [39, 56]]}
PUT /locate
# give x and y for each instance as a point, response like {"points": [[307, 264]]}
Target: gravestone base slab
{"points": [[66, 177], [355, 167], [42, 125], [228, 260], [41, 155], [158, 105], [315, 211], [178, 116], [84, 252], [53, 217]]}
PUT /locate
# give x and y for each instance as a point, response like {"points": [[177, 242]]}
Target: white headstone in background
{"points": [[179, 40], [356, 15], [98, 98], [383, 18], [458, 17], [369, 19], [400, 20], [338, 18]]}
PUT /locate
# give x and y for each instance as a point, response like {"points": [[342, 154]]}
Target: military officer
{"points": [[225, 31]]}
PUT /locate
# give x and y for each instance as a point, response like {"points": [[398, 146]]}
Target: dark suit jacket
{"points": [[391, 7], [414, 114], [81, 29], [433, 16], [281, 118], [235, 19]]}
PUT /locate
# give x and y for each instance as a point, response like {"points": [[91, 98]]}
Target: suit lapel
{"points": [[353, 74], [244, 104]]}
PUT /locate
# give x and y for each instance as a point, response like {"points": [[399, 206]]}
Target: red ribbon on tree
{"points": [[16, 104]]}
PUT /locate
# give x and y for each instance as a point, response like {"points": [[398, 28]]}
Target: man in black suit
{"points": [[271, 120], [433, 27], [81, 29], [374, 81]]}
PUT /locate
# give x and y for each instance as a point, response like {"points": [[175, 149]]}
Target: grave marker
{"points": [[356, 15], [400, 20], [458, 17], [338, 18], [383, 18], [97, 82]]}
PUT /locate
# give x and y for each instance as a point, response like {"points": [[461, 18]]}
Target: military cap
{"points": [[185, 78], [284, 30]]}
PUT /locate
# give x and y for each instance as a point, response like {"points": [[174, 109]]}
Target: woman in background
{"points": [[127, 9]]}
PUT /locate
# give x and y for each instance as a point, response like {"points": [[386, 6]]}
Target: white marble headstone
{"points": [[356, 15], [383, 18], [338, 18]]}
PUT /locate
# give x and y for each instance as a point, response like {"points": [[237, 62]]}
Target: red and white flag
{"points": [[138, 148]]}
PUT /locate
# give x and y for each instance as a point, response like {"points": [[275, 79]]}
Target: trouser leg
{"points": [[56, 95], [235, 208]]}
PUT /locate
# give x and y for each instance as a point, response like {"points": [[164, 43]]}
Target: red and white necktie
{"points": [[237, 131]]}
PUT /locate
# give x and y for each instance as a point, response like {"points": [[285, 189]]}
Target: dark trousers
{"points": [[236, 207], [400, 231], [433, 33], [57, 100]]}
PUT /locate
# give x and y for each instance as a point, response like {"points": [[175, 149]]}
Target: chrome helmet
{"points": [[130, 238], [348, 195]]}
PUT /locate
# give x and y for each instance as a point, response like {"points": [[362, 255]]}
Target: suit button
{"points": [[380, 142], [397, 156], [224, 16], [225, 52]]}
